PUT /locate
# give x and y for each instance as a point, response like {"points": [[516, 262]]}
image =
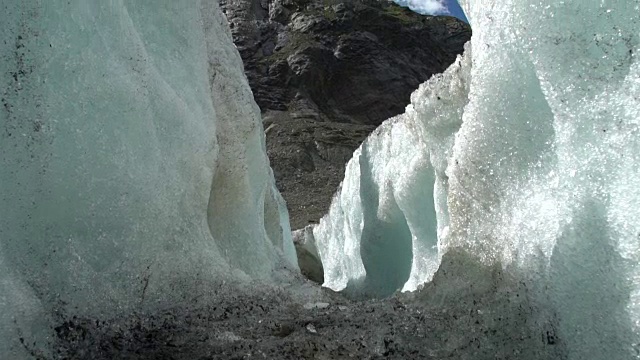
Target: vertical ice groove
{"points": [[386, 212]]}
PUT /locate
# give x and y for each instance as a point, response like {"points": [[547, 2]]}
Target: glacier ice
{"points": [[525, 154], [391, 208], [132, 168], [132, 161]]}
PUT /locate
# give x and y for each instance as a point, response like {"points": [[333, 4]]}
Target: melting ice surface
{"points": [[525, 153], [132, 161]]}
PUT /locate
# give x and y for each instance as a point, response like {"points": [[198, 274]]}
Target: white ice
{"points": [[526, 153], [132, 161]]}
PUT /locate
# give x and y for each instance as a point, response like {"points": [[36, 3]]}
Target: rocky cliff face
{"points": [[325, 73]]}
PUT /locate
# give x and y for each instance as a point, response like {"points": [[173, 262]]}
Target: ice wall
{"points": [[132, 161], [381, 233], [540, 177]]}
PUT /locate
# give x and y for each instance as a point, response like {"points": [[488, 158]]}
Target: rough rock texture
{"points": [[325, 73], [439, 323]]}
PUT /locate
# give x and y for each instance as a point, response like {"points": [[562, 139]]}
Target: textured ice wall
{"points": [[541, 177], [545, 167], [381, 233], [132, 160]]}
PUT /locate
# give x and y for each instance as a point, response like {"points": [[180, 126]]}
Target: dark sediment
{"points": [[467, 312]]}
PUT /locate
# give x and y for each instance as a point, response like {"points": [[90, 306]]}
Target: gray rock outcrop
{"points": [[325, 74]]}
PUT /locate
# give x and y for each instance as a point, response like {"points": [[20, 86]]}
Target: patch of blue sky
{"points": [[435, 7]]}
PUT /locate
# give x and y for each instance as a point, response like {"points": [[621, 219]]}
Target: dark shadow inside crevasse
{"points": [[386, 246]]}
